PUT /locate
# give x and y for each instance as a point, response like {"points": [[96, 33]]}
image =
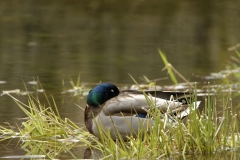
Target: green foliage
{"points": [[44, 131], [211, 131], [202, 133], [171, 70], [168, 66]]}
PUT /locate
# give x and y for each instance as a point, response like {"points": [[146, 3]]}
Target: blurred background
{"points": [[107, 40]]}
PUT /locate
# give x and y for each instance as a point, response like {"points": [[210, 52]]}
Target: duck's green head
{"points": [[101, 93]]}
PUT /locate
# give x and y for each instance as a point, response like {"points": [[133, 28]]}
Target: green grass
{"points": [[211, 131], [202, 133], [44, 131]]}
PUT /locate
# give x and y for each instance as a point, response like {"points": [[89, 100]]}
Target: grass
{"points": [[44, 131], [211, 131], [203, 133]]}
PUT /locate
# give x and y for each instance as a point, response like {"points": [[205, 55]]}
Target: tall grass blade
{"points": [[168, 67]]}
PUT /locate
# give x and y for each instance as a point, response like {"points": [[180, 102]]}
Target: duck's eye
{"points": [[112, 90], [89, 91]]}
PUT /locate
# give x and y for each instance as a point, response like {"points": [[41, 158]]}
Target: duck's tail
{"points": [[184, 112]]}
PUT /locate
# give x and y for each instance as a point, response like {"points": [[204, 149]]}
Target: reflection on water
{"points": [[104, 41]]}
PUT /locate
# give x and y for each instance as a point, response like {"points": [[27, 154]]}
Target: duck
{"points": [[125, 113]]}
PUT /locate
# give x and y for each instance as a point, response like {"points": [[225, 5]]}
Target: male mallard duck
{"points": [[126, 111]]}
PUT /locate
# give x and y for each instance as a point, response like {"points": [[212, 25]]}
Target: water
{"points": [[106, 41]]}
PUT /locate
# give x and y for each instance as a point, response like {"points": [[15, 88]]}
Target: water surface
{"points": [[106, 41]]}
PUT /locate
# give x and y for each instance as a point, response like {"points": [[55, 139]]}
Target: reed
{"points": [[213, 130]]}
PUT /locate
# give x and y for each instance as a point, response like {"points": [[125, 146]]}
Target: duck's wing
{"points": [[183, 97], [164, 94], [136, 102], [123, 125], [184, 113], [169, 95]]}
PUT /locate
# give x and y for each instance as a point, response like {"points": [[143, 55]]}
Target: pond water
{"points": [[105, 41]]}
